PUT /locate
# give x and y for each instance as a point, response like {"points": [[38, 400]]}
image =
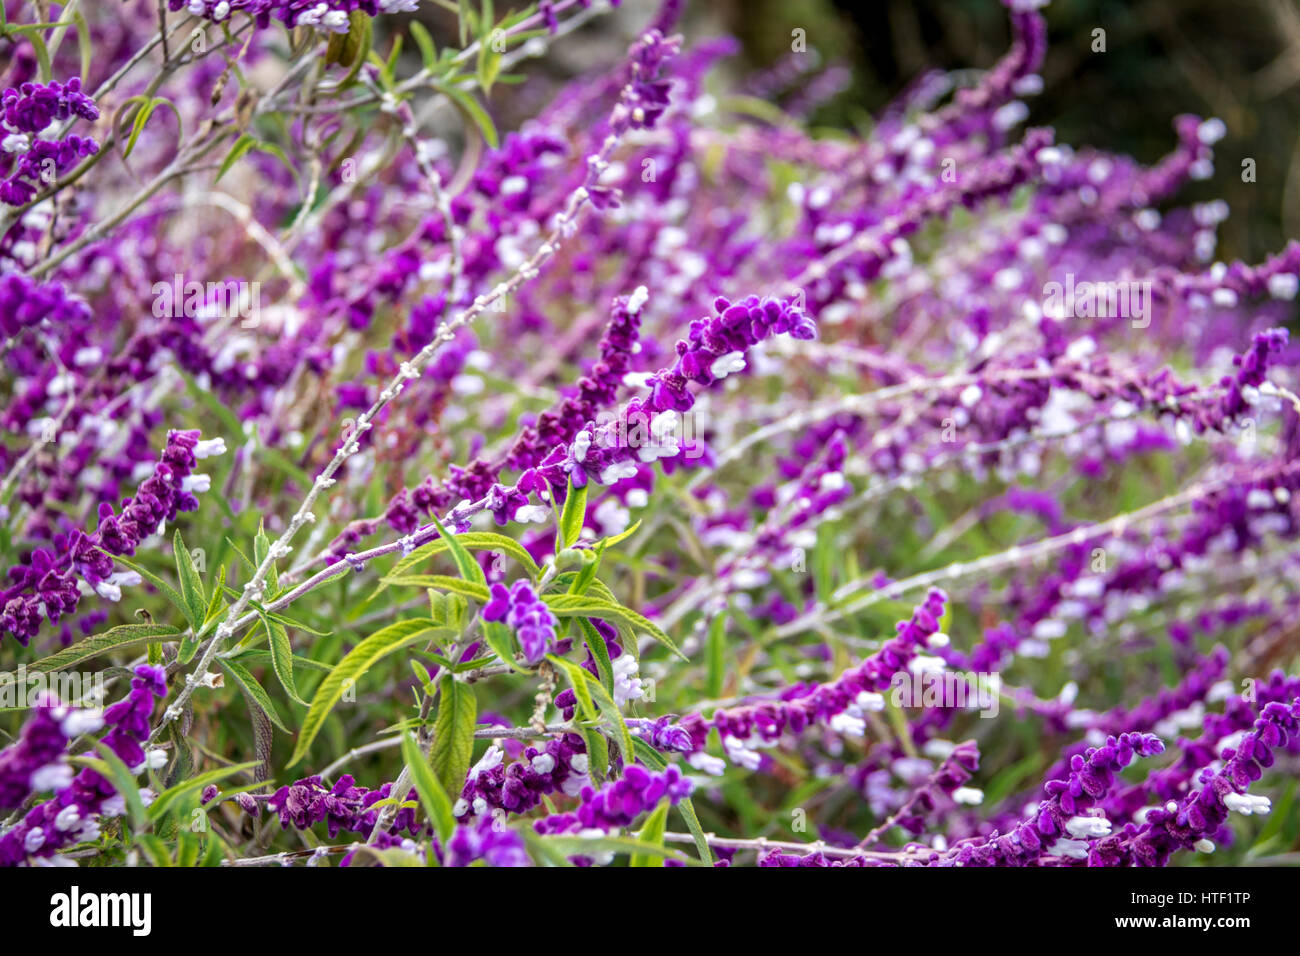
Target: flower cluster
{"points": [[36, 762], [532, 621], [618, 803], [28, 110], [47, 584], [72, 815], [342, 807]]}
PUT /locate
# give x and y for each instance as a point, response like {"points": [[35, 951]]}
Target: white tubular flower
{"points": [[1087, 828], [726, 364], [209, 448], [1073, 849], [706, 763], [848, 725], [1247, 804]]}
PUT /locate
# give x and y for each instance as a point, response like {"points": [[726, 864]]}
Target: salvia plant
{"points": [[651, 479]]}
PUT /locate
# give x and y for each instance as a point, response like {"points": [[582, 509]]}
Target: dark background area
{"points": [[1235, 59], [1238, 60]]}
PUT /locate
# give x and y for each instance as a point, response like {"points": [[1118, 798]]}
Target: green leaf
{"points": [[261, 548], [216, 606], [428, 49], [453, 733], [155, 849], [463, 14], [587, 573], [191, 584], [470, 108], [434, 799], [717, 657], [478, 592], [599, 651], [597, 753], [571, 518], [255, 691], [474, 541], [621, 536], [612, 714], [166, 590], [570, 605], [652, 832], [164, 801], [357, 661], [500, 638], [241, 148], [117, 638], [469, 568], [147, 106], [277, 639], [581, 685]]}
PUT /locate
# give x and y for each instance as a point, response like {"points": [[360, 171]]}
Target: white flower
{"points": [[1247, 804], [617, 472], [627, 686], [81, 722], [15, 143], [869, 701], [210, 447], [581, 443], [543, 763], [848, 725], [1211, 131], [573, 785], [68, 818], [1088, 827], [1010, 115], [490, 760], [706, 763], [114, 806], [534, 513], [108, 591], [1283, 285], [637, 300], [53, 776], [726, 364], [197, 484], [1074, 849], [741, 755], [968, 796]]}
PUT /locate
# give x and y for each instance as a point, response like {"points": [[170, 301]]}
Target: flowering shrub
{"points": [[656, 482]]}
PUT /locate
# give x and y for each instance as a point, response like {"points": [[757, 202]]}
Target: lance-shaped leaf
{"points": [[357, 661], [453, 733], [434, 799], [588, 605], [118, 638]]}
